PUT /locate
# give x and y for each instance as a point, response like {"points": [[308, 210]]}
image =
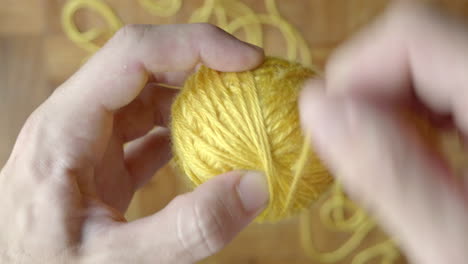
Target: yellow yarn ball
{"points": [[249, 121]]}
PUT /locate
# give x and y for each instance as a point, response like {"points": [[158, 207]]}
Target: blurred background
{"points": [[36, 56]]}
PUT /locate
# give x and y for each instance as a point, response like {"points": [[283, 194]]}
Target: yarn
{"points": [[235, 17], [246, 19], [340, 214], [163, 8], [86, 39], [249, 121]]}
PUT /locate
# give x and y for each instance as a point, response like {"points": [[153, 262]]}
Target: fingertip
{"points": [[242, 57], [254, 55], [215, 212], [146, 155], [309, 100], [311, 89], [253, 191], [336, 69], [244, 193], [224, 52], [353, 65]]}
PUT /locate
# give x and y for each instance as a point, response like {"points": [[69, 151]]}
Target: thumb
{"points": [[384, 165], [194, 225]]}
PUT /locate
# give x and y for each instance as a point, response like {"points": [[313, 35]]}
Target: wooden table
{"points": [[36, 57]]}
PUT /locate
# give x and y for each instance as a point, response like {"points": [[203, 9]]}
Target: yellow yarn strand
{"points": [[359, 225], [85, 39], [298, 173], [229, 8], [162, 8], [246, 19], [333, 216], [234, 16], [385, 250]]}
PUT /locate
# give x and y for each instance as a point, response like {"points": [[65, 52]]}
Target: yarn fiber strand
{"points": [[249, 121]]}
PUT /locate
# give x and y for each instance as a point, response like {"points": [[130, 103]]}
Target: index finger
{"points": [[412, 50], [116, 74]]}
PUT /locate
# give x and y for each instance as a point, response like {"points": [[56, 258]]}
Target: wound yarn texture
{"points": [[249, 121]]}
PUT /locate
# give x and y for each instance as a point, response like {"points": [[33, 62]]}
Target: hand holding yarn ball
{"points": [[249, 121]]}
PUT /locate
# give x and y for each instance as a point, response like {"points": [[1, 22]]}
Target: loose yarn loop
{"points": [[86, 39], [245, 19], [334, 214], [249, 121]]}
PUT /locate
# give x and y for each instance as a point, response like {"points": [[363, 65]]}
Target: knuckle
{"points": [[29, 134], [32, 122], [133, 33], [33, 157], [207, 233], [209, 227]]}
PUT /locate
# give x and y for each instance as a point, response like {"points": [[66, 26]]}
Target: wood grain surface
{"points": [[36, 57]]}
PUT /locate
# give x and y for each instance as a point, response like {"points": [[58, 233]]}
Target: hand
{"points": [[412, 54], [69, 180]]}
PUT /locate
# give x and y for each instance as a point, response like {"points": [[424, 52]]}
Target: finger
{"points": [[385, 166], [151, 108], [194, 225], [115, 75], [411, 50], [83, 107], [146, 155]]}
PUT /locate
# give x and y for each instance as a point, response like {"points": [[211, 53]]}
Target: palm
{"points": [[123, 169]]}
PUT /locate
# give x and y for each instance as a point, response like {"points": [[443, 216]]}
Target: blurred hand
{"points": [[416, 58], [69, 180]]}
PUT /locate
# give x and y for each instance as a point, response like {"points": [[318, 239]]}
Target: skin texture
{"points": [[69, 179], [413, 58]]}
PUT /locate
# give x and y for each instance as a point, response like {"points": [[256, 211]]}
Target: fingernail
{"points": [[253, 191], [255, 46]]}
